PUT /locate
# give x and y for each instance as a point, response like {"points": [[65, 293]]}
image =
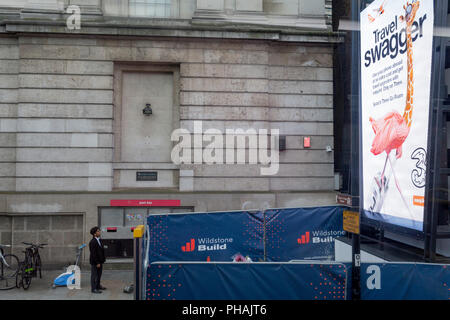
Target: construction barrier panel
{"points": [[271, 235], [216, 236], [246, 281], [302, 233], [405, 281], [294, 281]]}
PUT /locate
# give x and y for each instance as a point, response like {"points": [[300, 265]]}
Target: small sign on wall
{"points": [[344, 199], [146, 176], [144, 203], [351, 221]]}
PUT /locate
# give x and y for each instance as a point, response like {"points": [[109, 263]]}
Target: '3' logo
{"points": [[418, 175]]}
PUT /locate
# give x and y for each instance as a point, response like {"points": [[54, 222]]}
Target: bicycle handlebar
{"points": [[35, 245]]}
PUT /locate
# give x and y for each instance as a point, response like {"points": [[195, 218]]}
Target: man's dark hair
{"points": [[94, 230]]}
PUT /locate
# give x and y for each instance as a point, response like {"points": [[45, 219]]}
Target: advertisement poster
{"points": [[396, 54]]}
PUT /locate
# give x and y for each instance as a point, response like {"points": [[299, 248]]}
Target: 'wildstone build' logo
{"points": [[319, 237], [207, 244]]}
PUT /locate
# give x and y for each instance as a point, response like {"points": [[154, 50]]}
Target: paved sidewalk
{"points": [[41, 289]]}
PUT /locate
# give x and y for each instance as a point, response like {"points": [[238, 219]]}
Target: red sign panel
{"points": [[144, 203], [307, 142]]}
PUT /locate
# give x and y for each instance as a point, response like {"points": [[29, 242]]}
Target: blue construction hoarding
{"points": [[295, 281], [272, 235], [405, 281], [214, 236], [302, 233], [178, 246], [246, 281]]}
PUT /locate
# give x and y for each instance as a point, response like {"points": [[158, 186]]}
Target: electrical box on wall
{"points": [[307, 142], [337, 181], [282, 143]]}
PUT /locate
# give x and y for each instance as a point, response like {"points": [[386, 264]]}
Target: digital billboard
{"points": [[396, 55]]}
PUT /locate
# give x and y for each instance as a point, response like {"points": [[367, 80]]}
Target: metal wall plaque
{"points": [[147, 176], [345, 199]]}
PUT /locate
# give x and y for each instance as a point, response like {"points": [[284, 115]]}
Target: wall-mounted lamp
{"points": [[147, 110], [281, 143]]}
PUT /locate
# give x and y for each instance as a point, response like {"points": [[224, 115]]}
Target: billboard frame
{"points": [[434, 156], [429, 234]]}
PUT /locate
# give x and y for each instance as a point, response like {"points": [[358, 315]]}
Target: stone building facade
{"points": [[73, 135]]}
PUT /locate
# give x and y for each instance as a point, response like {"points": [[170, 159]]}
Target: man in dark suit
{"points": [[96, 259]]}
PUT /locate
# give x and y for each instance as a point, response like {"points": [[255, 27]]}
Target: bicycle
{"points": [[31, 264], [9, 268]]}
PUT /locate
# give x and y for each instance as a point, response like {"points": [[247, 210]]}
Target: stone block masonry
{"points": [[57, 106], [62, 233]]}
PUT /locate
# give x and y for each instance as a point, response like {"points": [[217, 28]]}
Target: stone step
{"points": [[113, 264], [118, 264]]}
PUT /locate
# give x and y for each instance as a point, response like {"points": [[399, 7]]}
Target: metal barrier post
{"points": [[138, 233]]}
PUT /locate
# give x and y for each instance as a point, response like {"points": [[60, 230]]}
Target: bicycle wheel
{"points": [[7, 284], [38, 265], [9, 272], [12, 267], [26, 274]]}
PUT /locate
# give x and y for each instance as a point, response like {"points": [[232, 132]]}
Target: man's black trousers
{"points": [[96, 274]]}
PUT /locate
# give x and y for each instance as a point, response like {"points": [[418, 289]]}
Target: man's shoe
{"points": [[96, 291], [102, 288]]}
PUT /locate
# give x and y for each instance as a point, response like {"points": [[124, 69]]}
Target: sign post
{"points": [[355, 159], [138, 233], [351, 223]]}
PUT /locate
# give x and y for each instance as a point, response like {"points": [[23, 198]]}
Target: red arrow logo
{"points": [[189, 247], [304, 238]]}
